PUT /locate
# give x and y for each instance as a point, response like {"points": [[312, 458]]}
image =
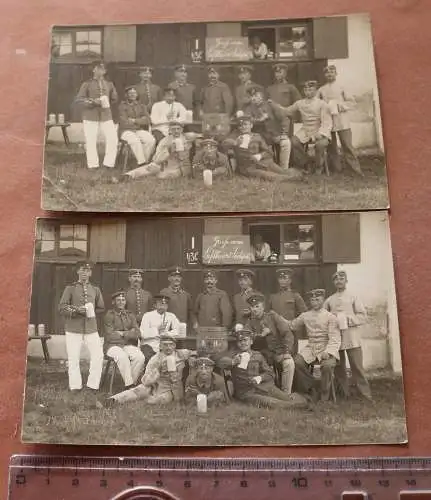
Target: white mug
{"points": [[245, 358], [342, 321], [179, 144], [89, 308], [201, 402], [171, 363], [104, 101], [208, 177]]}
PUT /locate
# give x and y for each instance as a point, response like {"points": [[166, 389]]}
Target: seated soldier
{"points": [[253, 156], [208, 157], [156, 323], [316, 126], [121, 339], [171, 159], [324, 341], [162, 381], [273, 338], [133, 127], [203, 380], [253, 379]]}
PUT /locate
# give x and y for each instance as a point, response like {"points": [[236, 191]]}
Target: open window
{"points": [[284, 243]]}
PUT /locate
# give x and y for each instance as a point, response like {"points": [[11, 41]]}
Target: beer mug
{"points": [[51, 119], [245, 358], [60, 119], [179, 144], [333, 107], [104, 101], [208, 177], [89, 310], [41, 330], [31, 330], [201, 403], [342, 321], [171, 363]]}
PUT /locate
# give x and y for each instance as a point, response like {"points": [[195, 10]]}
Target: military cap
{"points": [[176, 122], [175, 271], [134, 271], [164, 299], [255, 298], [167, 338], [119, 293], [245, 69], [204, 361], [84, 264], [130, 87], [212, 69], [208, 141], [339, 274], [252, 89], [210, 273], [317, 292], [244, 118], [310, 84], [245, 333], [284, 272], [243, 273], [98, 64], [180, 67], [278, 66], [330, 67], [146, 68]]}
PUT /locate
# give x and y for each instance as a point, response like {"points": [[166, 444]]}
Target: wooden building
{"points": [[314, 245], [305, 44]]}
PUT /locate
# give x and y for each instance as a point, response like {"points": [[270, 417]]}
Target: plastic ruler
{"points": [[108, 478]]}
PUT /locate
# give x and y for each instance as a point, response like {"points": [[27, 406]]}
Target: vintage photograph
{"points": [[214, 331], [252, 116]]}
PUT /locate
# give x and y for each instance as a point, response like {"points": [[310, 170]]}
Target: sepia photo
{"points": [[251, 116], [214, 331]]}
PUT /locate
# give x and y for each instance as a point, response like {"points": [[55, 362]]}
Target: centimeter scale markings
{"points": [[108, 478]]}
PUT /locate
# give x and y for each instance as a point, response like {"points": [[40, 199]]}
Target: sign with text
{"points": [[227, 49], [227, 249]]}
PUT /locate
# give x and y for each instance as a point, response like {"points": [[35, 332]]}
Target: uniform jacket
{"points": [[287, 303], [213, 308], [271, 127], [149, 93], [194, 386], [283, 93], [136, 110], [242, 97], [94, 89], [241, 306], [138, 301], [323, 334], [217, 98], [180, 304], [186, 94], [219, 163], [120, 321], [75, 296], [156, 372], [334, 94], [279, 341]]}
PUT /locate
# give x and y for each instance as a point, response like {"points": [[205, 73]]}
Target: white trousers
{"points": [[91, 130], [130, 362], [142, 144], [74, 343]]}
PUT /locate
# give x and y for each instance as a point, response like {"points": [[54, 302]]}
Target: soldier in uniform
{"points": [[185, 91], [121, 337], [242, 97], [148, 92], [240, 305], [203, 380], [282, 92], [216, 97], [253, 379], [323, 347], [162, 380], [180, 301], [156, 323], [351, 315], [212, 306], [286, 302], [208, 157], [134, 121], [97, 96], [273, 338], [79, 305], [138, 300]]}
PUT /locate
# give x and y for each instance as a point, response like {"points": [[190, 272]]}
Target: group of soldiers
{"points": [[266, 366], [156, 123]]}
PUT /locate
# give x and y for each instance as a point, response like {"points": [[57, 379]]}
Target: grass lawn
{"points": [[74, 187], [54, 415]]}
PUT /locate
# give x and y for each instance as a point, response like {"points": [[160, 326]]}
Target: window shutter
{"points": [[108, 241], [223, 225], [341, 238], [119, 44], [330, 37]]}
